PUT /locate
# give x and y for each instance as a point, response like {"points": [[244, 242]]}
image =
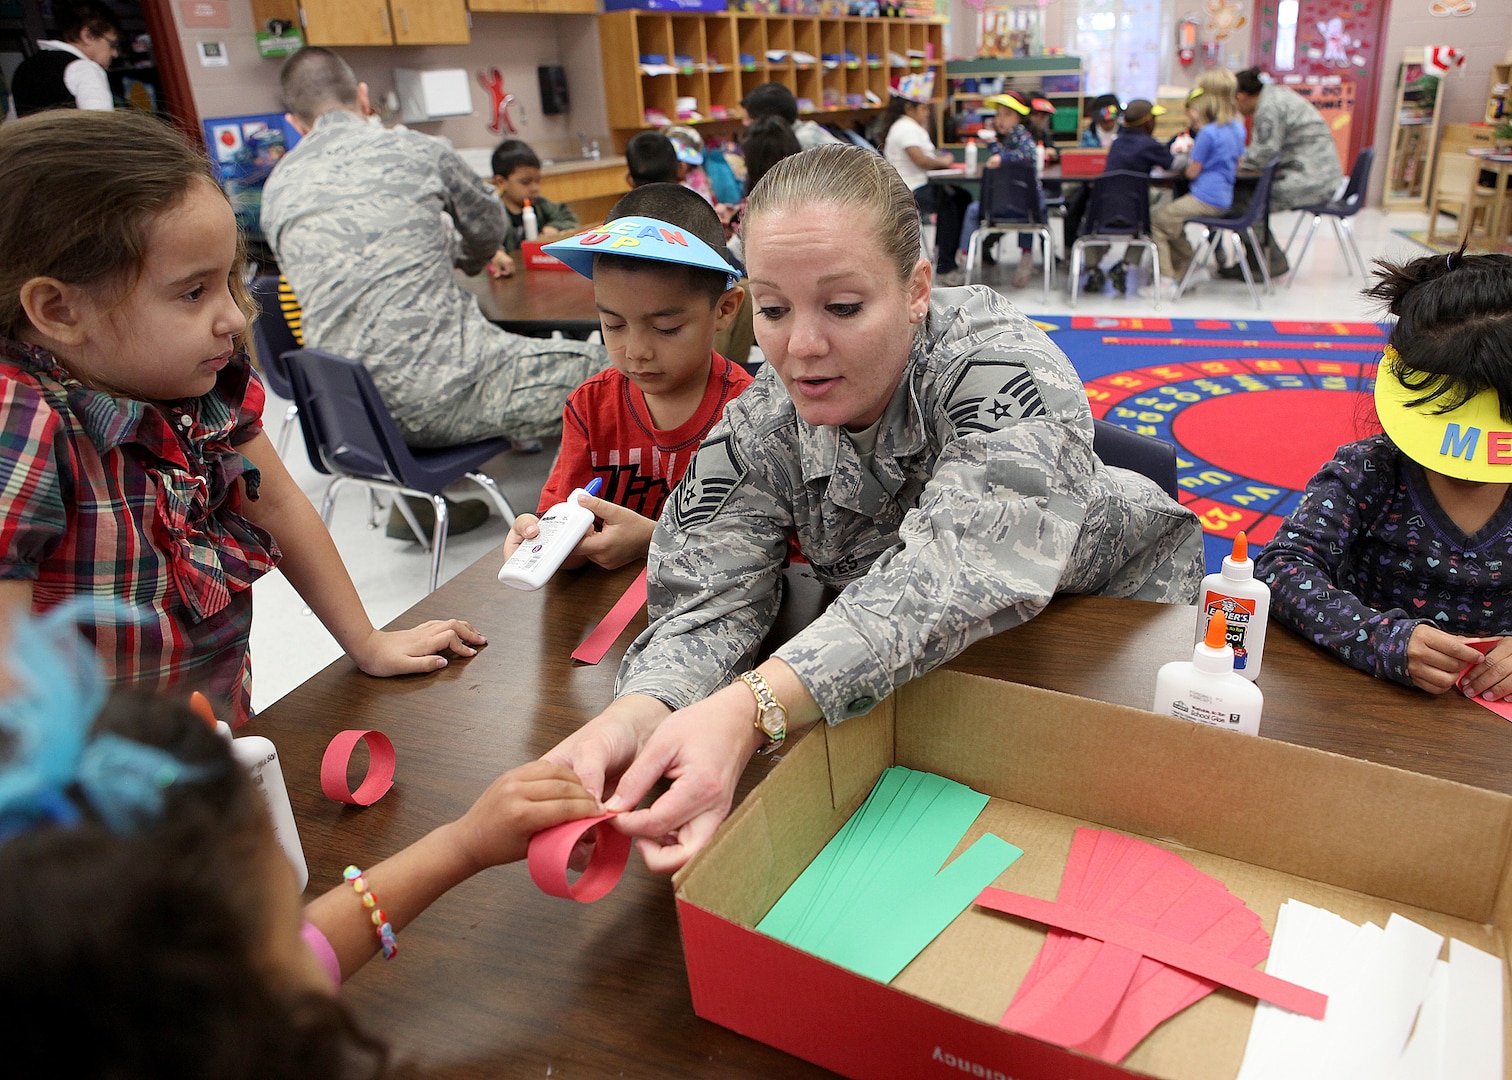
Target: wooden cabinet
{"points": [[1056, 78], [543, 7], [836, 67], [384, 22], [1414, 131]]}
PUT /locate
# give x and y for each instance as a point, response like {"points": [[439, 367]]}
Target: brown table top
{"points": [[546, 297], [498, 980]]}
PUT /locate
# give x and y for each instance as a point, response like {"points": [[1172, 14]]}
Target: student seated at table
{"points": [[1135, 150], [1102, 129], [201, 962], [650, 158], [1014, 142], [517, 178], [1401, 551], [662, 294], [69, 73], [1210, 168], [136, 477]]}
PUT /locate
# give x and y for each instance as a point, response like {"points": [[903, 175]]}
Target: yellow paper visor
{"points": [[1471, 442]]}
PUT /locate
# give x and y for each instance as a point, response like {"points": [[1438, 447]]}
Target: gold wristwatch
{"points": [[771, 715]]}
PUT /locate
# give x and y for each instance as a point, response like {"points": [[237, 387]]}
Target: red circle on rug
{"points": [[1280, 437]]}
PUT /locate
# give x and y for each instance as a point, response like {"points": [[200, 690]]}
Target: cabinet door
{"points": [[430, 22], [568, 7], [346, 22], [504, 5]]}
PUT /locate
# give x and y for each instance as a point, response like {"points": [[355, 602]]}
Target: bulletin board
{"points": [[244, 150]]}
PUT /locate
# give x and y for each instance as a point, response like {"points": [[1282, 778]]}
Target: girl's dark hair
{"points": [[767, 141], [1453, 334], [890, 116], [82, 189], [140, 955]]}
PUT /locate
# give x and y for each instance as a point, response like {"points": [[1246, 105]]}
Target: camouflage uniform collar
{"points": [[336, 116], [826, 452]]}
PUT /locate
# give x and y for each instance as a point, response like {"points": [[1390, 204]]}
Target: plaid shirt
{"points": [[136, 506]]}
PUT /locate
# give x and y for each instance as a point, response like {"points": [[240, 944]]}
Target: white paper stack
{"points": [[1395, 1011]]}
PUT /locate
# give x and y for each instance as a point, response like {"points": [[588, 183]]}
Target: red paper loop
{"points": [[551, 848], [380, 773]]}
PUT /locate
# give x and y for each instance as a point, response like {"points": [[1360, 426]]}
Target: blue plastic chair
{"points": [[1130, 450], [272, 338], [1118, 212], [352, 437], [1011, 204], [1242, 226], [1339, 211]]}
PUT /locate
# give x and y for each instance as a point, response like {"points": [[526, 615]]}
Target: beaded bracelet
{"points": [[381, 925]]}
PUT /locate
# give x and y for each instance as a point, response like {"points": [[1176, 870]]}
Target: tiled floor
{"points": [[288, 646]]}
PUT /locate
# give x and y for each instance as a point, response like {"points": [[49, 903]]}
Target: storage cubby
{"points": [[718, 58]]}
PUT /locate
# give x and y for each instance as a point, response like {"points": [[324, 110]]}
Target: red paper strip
{"points": [[1178, 954], [597, 643], [551, 848], [1502, 708], [380, 772]]}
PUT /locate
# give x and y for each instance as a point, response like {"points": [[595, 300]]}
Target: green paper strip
{"points": [[876, 896]]}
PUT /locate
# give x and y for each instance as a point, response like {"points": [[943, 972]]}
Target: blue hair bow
{"points": [[45, 724]]}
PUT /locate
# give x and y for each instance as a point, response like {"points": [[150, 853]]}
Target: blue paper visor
{"points": [[639, 238]]}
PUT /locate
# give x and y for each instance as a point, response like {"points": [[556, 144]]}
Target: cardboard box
{"points": [[1269, 819]]}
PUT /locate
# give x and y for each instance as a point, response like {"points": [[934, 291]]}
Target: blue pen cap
{"points": [[639, 238]]}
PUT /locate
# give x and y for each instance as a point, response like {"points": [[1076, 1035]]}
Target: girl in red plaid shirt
{"points": [[134, 471]]}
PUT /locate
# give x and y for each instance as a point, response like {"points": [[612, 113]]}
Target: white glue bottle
{"points": [[1245, 603], [971, 157], [560, 529], [528, 219], [258, 756], [1206, 689]]}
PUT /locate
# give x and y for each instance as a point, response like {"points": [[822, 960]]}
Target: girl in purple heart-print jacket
{"points": [[1391, 563]]}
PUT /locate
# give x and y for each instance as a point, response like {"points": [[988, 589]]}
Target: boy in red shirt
{"points": [[664, 285]]}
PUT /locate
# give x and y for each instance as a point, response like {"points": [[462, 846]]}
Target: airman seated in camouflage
{"points": [[932, 456], [355, 215]]}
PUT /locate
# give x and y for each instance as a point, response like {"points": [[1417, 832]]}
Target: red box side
{"points": [[781, 996], [1084, 163], [536, 259]]}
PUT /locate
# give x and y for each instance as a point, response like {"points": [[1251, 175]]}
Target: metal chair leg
{"points": [[329, 502], [486, 482], [1074, 269], [1049, 242], [414, 523], [973, 253], [1295, 229], [375, 507], [1206, 248], [1348, 233], [438, 539], [283, 432], [1262, 259], [1296, 264]]}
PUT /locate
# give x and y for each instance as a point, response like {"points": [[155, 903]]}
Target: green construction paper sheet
{"points": [[876, 895]]}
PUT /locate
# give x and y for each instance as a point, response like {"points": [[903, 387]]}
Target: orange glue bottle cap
{"points": [[1241, 547], [1217, 631], [199, 704]]}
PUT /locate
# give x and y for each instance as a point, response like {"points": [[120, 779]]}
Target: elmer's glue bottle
{"points": [[561, 527], [528, 219], [971, 157], [1245, 603], [1206, 689], [258, 756]]}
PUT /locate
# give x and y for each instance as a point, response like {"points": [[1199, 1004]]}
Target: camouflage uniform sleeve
{"points": [[713, 574], [983, 551], [474, 206], [1266, 135]]}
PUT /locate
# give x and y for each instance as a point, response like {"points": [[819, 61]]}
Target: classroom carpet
{"points": [[1254, 407], [1447, 240]]}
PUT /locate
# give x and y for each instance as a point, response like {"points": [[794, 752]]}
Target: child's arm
{"points": [[1435, 658], [314, 567], [624, 538], [1305, 561], [558, 218], [496, 830]]}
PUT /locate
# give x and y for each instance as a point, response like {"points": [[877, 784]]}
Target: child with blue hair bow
{"points": [[151, 917]]}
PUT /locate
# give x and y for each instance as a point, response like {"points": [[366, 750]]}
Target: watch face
{"points": [[773, 721]]}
